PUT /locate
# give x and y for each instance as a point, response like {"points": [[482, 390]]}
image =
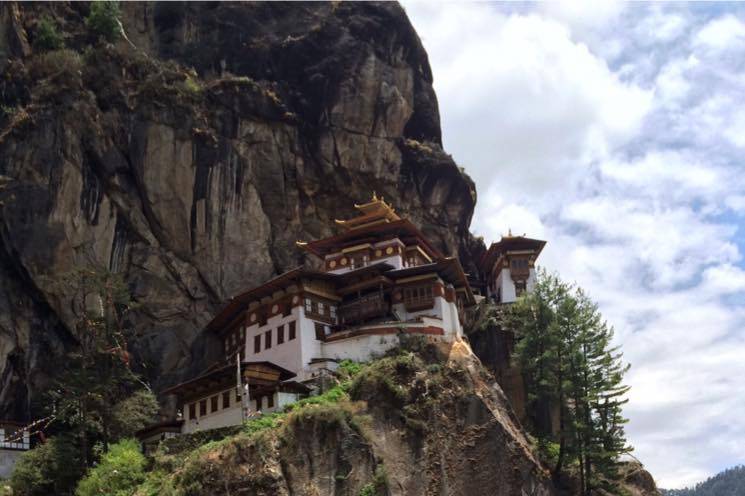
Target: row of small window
{"points": [[222, 401], [314, 307], [280, 333], [418, 293]]}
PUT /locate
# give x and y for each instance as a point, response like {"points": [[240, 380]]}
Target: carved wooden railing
{"points": [[365, 308]]}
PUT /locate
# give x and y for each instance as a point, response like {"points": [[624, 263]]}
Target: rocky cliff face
{"points": [[426, 423], [192, 159]]}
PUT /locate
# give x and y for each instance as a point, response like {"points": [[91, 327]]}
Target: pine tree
{"points": [[97, 376], [571, 368]]}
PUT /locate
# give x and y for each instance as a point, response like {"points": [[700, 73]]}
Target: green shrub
{"points": [[34, 471], [47, 36], [333, 395], [119, 473], [268, 421], [50, 468], [103, 20], [348, 369]]}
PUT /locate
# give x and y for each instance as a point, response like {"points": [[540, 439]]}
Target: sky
{"points": [[617, 133]]}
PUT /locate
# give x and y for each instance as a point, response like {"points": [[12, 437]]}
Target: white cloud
{"points": [[584, 14], [618, 138], [724, 33], [558, 104]]}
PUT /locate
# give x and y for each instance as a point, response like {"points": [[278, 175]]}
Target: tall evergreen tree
{"points": [[573, 374], [97, 379]]}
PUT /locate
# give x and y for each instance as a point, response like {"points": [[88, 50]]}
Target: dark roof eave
{"points": [[284, 375]]}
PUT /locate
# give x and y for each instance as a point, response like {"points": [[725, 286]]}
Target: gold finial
{"points": [[509, 232], [301, 243], [375, 196]]}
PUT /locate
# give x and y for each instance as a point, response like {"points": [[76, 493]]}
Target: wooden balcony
{"points": [[420, 303], [365, 308]]}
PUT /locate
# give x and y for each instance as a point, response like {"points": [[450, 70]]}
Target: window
{"points": [[192, 411], [213, 404], [332, 312], [418, 298], [226, 399], [270, 401], [257, 343], [308, 306], [291, 331], [519, 264], [519, 288], [268, 339], [320, 332], [203, 408], [321, 308], [280, 334]]}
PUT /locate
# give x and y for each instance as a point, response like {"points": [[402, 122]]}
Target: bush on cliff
{"points": [[120, 472], [103, 20], [47, 36], [50, 468]]}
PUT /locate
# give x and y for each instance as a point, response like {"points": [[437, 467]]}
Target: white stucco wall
{"points": [[443, 310], [220, 418], [359, 348], [288, 354], [8, 460], [530, 284], [232, 415], [507, 286]]}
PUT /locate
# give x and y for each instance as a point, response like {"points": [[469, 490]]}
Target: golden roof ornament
{"points": [[376, 211]]}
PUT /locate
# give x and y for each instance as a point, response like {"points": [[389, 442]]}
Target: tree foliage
{"points": [[97, 399], [48, 36], [51, 468], [103, 20], [96, 376], [574, 377], [730, 482], [119, 473]]}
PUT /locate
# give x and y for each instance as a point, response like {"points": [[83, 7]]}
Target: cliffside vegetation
{"points": [[96, 398], [426, 419], [573, 377]]}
